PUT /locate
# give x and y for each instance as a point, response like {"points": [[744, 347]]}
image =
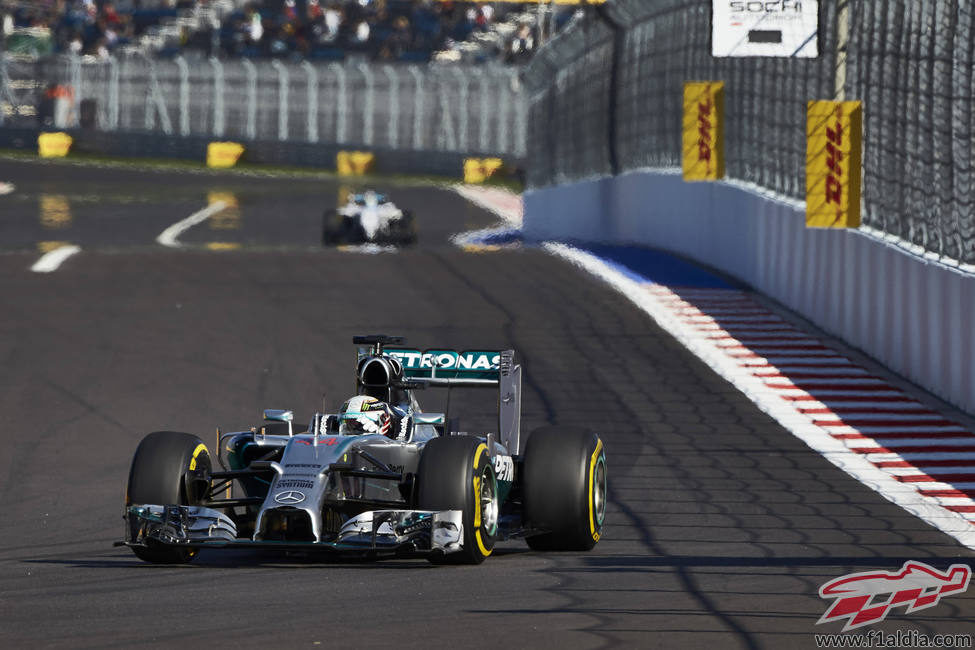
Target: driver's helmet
{"points": [[365, 414]]}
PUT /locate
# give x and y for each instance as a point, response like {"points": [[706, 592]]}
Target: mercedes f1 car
{"points": [[421, 489], [368, 218]]}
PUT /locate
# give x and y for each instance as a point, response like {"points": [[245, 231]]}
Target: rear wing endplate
{"points": [[471, 369]]}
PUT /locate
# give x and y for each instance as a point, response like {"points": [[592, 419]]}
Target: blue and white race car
{"points": [[368, 218]]}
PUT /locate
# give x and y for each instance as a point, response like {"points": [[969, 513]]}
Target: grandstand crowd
{"points": [[383, 30]]}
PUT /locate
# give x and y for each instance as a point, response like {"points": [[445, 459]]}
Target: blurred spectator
{"points": [[522, 45], [389, 30]]}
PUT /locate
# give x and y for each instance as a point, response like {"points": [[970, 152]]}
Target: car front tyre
{"points": [[456, 473], [169, 468]]}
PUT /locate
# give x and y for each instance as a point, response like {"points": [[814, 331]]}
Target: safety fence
{"points": [[605, 97], [436, 108]]}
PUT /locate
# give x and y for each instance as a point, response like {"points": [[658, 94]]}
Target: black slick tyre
{"points": [[332, 228], [168, 468], [407, 236], [564, 488], [456, 473]]}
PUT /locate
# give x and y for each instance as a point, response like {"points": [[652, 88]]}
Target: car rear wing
{"points": [[471, 369]]}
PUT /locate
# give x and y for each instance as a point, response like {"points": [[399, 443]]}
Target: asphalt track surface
{"points": [[721, 525]]}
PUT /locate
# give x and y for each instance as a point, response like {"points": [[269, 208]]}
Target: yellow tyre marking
{"points": [[592, 488], [482, 448], [485, 552], [196, 452], [477, 502]]}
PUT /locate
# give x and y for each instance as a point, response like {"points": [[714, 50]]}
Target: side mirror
{"points": [[279, 415]]}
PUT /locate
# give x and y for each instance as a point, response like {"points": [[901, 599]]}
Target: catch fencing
{"points": [[605, 97], [477, 110]]}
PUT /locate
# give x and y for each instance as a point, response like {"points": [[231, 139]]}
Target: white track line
{"points": [[51, 260], [491, 199], [769, 399], [168, 237]]}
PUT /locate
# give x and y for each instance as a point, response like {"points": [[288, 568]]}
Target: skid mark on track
{"points": [[868, 428]]}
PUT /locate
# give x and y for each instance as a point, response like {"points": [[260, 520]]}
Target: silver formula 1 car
{"points": [[368, 218], [422, 489]]}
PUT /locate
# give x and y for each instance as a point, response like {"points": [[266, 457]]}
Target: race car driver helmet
{"points": [[365, 414]]}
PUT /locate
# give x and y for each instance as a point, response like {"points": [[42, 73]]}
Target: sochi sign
{"points": [[786, 28]]}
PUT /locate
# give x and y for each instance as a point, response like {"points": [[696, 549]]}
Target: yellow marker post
{"points": [[478, 170], [55, 211], [834, 144], [53, 145], [354, 163], [222, 155], [703, 139], [229, 218]]}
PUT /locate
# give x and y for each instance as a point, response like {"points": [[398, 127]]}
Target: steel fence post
{"points": [[393, 131], [312, 89], [149, 114], [446, 137], [155, 99], [184, 96], [283, 80], [417, 108], [619, 32], [113, 93], [219, 118], [341, 125], [251, 127], [842, 39], [76, 85], [4, 85], [463, 118], [520, 144], [482, 143], [368, 117]]}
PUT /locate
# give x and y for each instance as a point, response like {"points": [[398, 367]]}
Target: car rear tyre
{"points": [[168, 468], [407, 236], [332, 228], [456, 473], [564, 488]]}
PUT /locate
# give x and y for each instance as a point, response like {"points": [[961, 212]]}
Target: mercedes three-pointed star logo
{"points": [[290, 497]]}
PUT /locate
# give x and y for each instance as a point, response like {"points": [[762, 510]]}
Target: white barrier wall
{"points": [[913, 315]]}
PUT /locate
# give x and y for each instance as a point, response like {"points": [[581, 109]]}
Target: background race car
{"points": [[368, 218]]}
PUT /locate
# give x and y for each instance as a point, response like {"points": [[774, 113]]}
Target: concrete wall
{"points": [[913, 315]]}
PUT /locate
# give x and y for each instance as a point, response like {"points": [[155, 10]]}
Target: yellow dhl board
{"points": [[703, 139], [354, 163], [223, 154], [478, 170], [53, 145], [833, 164]]}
